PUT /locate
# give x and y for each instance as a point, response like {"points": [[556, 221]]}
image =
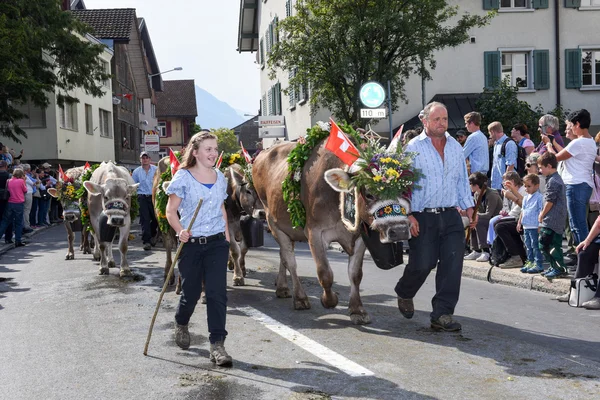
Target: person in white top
{"points": [[578, 161], [518, 133]]}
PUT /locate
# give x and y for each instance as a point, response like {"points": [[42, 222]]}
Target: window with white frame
{"points": [[36, 116], [106, 69], [162, 129], [141, 106], [68, 116], [153, 110], [590, 3], [590, 68], [515, 4], [89, 123], [104, 123], [517, 68]]}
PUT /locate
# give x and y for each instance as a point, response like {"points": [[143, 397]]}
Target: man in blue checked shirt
{"points": [[438, 235], [476, 148], [503, 161], [144, 175]]}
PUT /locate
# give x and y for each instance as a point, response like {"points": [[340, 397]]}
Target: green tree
{"points": [[195, 128], [339, 45], [227, 140], [43, 54]]}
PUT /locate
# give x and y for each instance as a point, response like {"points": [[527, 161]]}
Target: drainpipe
{"points": [[557, 47]]}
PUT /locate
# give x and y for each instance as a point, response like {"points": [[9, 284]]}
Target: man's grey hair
{"points": [[551, 121], [26, 167], [430, 106]]}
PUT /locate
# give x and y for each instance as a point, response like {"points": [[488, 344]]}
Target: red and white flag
{"points": [[219, 161], [173, 161], [395, 140], [86, 166], [339, 144], [245, 153], [61, 175]]}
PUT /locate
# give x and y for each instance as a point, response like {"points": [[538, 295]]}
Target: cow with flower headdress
{"points": [[357, 196], [66, 192]]}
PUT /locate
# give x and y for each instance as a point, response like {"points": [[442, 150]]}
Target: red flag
{"points": [[128, 96], [86, 166], [173, 161], [245, 153], [61, 175], [339, 144], [399, 133], [219, 161], [396, 139]]}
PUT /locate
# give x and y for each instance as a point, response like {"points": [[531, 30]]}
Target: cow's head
{"points": [[388, 216], [66, 193], [116, 198], [243, 191]]}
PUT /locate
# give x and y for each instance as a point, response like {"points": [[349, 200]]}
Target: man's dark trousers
{"points": [[440, 243], [147, 217]]}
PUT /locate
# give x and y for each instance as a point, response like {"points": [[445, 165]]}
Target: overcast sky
{"points": [[201, 37]]}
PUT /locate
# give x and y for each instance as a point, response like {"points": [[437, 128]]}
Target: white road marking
{"points": [[329, 356]]}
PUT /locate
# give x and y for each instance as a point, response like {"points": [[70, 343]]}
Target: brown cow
{"points": [[323, 223]]}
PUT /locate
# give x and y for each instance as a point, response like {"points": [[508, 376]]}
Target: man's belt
{"points": [[438, 210], [144, 195], [206, 239]]}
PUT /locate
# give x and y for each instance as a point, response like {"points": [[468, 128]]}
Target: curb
{"points": [[4, 248]]}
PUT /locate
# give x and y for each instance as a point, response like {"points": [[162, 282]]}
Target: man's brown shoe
{"points": [[182, 336], [406, 307], [445, 323]]}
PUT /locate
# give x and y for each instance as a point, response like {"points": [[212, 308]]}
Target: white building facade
{"points": [[547, 48]]}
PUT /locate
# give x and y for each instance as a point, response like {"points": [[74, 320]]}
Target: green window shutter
{"points": [[491, 4], [572, 68], [276, 30], [261, 54], [540, 4], [278, 99], [288, 8], [264, 106], [541, 68], [491, 66], [291, 91], [270, 100], [572, 3]]}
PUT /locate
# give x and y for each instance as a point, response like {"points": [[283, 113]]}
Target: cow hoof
{"points": [[301, 304], [87, 251], [283, 293], [329, 302], [230, 266], [203, 298], [238, 281], [111, 264], [171, 281], [70, 257], [104, 271], [125, 273], [360, 319], [178, 289], [97, 257]]}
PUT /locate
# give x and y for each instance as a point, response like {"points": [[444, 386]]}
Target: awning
{"points": [[248, 26]]}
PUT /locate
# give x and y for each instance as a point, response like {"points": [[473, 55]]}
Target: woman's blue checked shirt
{"points": [[443, 184], [210, 217]]}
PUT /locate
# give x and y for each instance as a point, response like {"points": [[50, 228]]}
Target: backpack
{"points": [[521, 157]]}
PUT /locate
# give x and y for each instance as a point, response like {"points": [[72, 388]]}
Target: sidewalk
{"points": [[26, 237]]}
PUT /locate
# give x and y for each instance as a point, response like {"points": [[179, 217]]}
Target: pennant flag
{"points": [[86, 166], [339, 144], [173, 161], [61, 175], [219, 161], [394, 143], [245, 153]]}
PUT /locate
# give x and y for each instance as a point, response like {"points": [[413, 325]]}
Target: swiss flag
{"points": [[339, 144], [61, 174], [128, 96], [173, 161], [245, 153], [219, 161], [86, 166]]}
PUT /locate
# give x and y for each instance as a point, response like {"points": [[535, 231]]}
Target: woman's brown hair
{"points": [[188, 159]]}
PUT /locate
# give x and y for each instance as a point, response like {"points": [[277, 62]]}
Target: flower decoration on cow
{"points": [[67, 191]]}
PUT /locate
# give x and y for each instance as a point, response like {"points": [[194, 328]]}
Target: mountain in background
{"points": [[214, 113]]}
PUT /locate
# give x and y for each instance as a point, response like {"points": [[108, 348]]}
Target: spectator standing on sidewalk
{"points": [[30, 182], [14, 209], [35, 203], [532, 206], [475, 148], [548, 126], [4, 178], [502, 161], [553, 217], [44, 201], [518, 133], [144, 175]]}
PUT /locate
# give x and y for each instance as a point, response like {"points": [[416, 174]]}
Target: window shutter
{"points": [[491, 65], [540, 4], [541, 67], [572, 3], [288, 8], [572, 68], [291, 91], [276, 30], [168, 128], [262, 51], [270, 102], [491, 4], [278, 99]]}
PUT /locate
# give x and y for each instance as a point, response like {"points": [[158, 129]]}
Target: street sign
{"points": [[271, 120], [372, 94], [151, 143], [376, 113], [271, 132]]}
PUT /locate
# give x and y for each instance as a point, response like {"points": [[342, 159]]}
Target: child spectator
{"points": [[532, 206], [14, 209], [553, 217], [531, 167]]}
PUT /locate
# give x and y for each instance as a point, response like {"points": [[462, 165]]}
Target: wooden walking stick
{"points": [[169, 275]]}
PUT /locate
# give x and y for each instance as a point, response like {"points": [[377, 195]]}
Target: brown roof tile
{"points": [[110, 23], [178, 99]]}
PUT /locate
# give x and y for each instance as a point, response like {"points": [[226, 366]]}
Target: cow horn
{"points": [[355, 167]]}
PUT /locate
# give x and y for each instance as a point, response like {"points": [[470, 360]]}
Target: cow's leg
{"points": [[109, 253], [243, 251], [70, 239], [288, 260], [97, 252], [234, 249], [103, 258], [85, 240], [123, 244], [318, 248], [358, 314]]}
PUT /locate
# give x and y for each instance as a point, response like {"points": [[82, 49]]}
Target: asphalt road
{"points": [[68, 333]]}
